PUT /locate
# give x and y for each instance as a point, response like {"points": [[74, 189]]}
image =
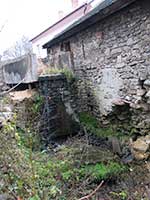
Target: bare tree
{"points": [[1, 29], [2, 26], [20, 48]]}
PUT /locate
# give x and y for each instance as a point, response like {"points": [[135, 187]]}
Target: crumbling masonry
{"points": [[111, 60]]}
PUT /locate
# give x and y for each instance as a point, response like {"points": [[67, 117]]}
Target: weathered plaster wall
{"points": [[112, 61]]}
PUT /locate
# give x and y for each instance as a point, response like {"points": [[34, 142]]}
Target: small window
{"points": [[90, 107], [48, 51], [65, 46]]}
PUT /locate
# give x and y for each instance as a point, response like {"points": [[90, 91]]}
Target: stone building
{"points": [[1, 77], [109, 51]]}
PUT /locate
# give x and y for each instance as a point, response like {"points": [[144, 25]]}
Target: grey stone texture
{"points": [[111, 60], [58, 118], [1, 77]]}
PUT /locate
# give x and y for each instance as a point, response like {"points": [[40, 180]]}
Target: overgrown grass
{"points": [[32, 174], [58, 175], [93, 126], [101, 171], [88, 120], [35, 175]]}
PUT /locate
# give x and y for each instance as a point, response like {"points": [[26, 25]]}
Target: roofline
{"points": [[105, 9], [13, 60], [58, 21]]}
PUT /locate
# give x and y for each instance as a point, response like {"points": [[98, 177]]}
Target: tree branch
{"points": [[92, 193], [2, 27]]}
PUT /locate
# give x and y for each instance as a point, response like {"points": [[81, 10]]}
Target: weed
{"points": [[88, 120], [67, 175], [92, 125], [69, 74], [32, 174], [38, 172], [34, 198], [123, 195], [38, 101], [102, 171], [66, 71]]}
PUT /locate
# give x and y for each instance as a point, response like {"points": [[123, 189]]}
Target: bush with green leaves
{"points": [[38, 101]]}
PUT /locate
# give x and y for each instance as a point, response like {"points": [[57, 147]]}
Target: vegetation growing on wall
{"points": [[66, 71], [38, 101], [92, 125]]}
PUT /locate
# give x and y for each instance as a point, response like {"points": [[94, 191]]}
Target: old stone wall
{"points": [[112, 62], [1, 77], [58, 118]]}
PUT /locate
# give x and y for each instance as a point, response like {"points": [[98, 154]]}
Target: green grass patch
{"points": [[33, 174], [92, 125], [102, 171], [88, 120]]}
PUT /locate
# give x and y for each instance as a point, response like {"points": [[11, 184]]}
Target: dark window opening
{"points": [[88, 94], [48, 51], [65, 46], [90, 107], [83, 49], [141, 83]]}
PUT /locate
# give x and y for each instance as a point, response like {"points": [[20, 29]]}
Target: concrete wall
{"points": [[112, 61], [21, 68]]}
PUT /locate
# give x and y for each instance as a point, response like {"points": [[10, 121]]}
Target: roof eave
{"points": [[36, 37], [111, 7]]}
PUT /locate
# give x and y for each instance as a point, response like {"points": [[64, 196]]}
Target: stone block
{"points": [[141, 92], [141, 156], [130, 42], [148, 94], [147, 82], [116, 51], [141, 148], [141, 145]]}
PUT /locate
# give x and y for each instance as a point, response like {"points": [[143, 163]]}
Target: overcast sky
{"points": [[28, 17]]}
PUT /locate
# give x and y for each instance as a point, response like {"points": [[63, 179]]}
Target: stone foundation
{"points": [[58, 118], [1, 78]]}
